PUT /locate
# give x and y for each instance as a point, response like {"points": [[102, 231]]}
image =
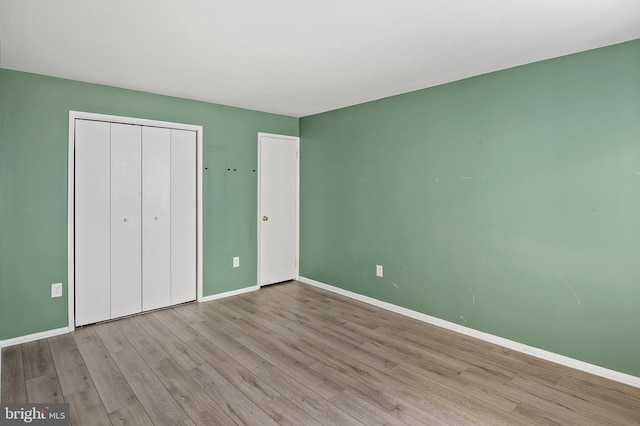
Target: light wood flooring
{"points": [[296, 355]]}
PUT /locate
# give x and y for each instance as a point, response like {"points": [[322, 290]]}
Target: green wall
{"points": [[34, 113], [508, 203]]}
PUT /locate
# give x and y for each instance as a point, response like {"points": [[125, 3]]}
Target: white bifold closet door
{"points": [[183, 214], [125, 220], [156, 217], [135, 219], [92, 221]]}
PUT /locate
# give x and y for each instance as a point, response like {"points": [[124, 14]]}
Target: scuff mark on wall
{"points": [[473, 296], [462, 318], [396, 286], [569, 287]]}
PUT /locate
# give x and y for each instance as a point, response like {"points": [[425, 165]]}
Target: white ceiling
{"points": [[298, 57]]}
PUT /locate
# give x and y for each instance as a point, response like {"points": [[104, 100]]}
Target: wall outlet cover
{"points": [[236, 262], [56, 290], [379, 271]]}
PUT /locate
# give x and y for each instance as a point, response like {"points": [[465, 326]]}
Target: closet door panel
{"points": [[125, 220], [92, 222], [183, 216], [156, 218]]}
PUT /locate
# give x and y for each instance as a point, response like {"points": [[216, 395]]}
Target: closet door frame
{"points": [[79, 115]]}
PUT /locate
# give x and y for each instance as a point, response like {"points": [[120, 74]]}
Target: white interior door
{"points": [[278, 208], [92, 222], [183, 216], [156, 218], [125, 220]]}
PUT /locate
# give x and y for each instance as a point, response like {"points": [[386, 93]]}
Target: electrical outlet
{"points": [[236, 262], [378, 270], [56, 290]]}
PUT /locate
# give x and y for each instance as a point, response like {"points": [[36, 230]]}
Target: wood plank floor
{"points": [[293, 354]]}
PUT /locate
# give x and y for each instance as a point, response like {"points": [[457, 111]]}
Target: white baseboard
{"points": [[31, 337], [510, 344], [230, 293]]}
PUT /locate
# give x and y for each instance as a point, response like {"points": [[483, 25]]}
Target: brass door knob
{"points": [[265, 218]]}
